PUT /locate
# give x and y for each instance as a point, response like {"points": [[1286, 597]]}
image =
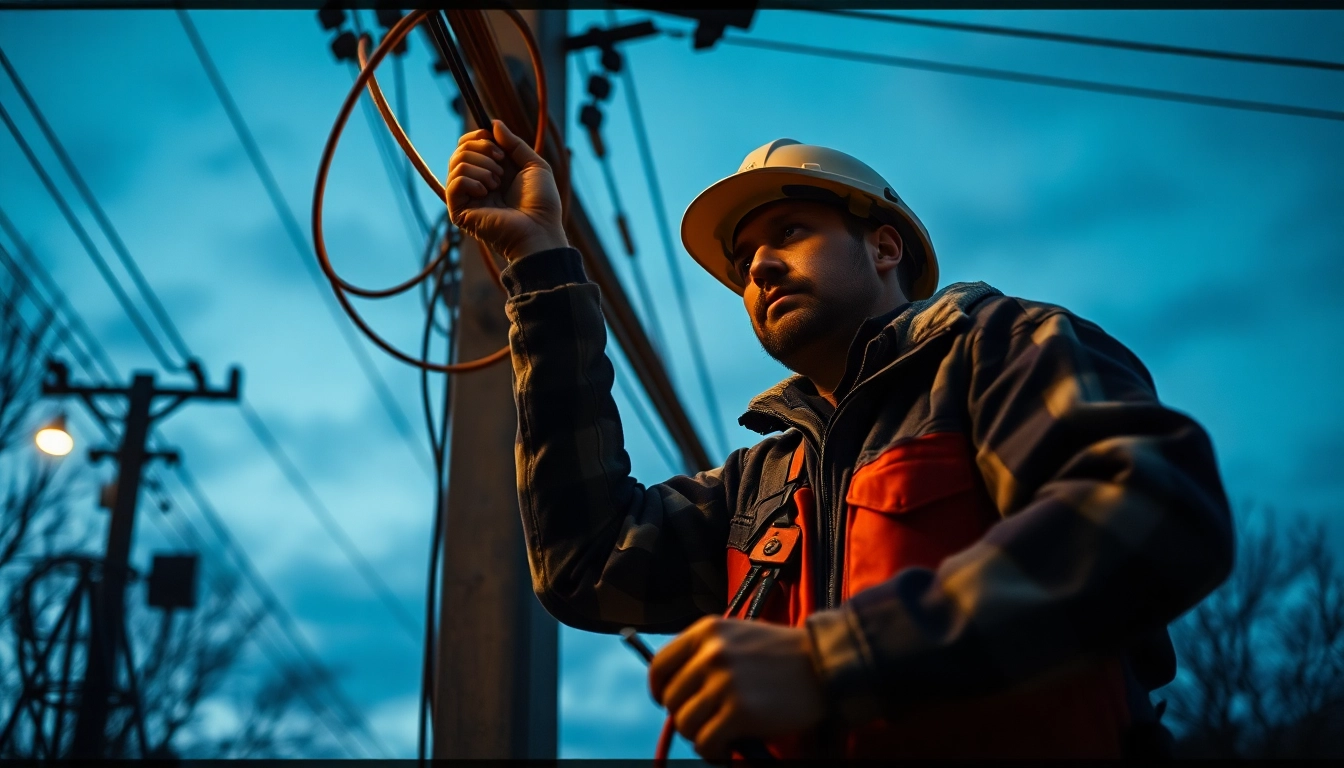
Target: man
{"points": [[964, 534]]}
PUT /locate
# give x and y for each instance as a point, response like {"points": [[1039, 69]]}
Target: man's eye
{"points": [[744, 266]]}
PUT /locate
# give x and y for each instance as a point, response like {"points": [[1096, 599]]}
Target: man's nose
{"points": [[766, 266]]}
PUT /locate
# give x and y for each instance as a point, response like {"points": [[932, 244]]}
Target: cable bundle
{"points": [[477, 38]]}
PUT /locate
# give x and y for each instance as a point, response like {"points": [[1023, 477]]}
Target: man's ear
{"points": [[890, 249]]}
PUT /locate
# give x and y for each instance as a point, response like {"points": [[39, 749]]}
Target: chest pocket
{"points": [[914, 505]]}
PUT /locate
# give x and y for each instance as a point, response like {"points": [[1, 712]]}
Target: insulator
{"points": [[611, 60], [591, 116], [331, 18], [345, 46], [599, 87], [591, 119]]}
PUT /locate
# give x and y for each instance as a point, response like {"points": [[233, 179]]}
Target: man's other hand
{"points": [[522, 219], [726, 679]]}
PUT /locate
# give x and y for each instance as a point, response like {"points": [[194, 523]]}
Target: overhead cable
{"points": [[82, 235], [622, 223], [254, 421], [104, 223], [329, 522], [480, 45], [398, 173], [406, 177], [59, 299], [1062, 37], [438, 438], [105, 369], [293, 633], [366, 80], [669, 251], [416, 228], [189, 537], [1023, 77], [401, 94], [299, 240]]}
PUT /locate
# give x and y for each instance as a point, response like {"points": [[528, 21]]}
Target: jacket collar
{"points": [[785, 404]]}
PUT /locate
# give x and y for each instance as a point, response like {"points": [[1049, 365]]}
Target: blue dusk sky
{"points": [[1206, 239]]}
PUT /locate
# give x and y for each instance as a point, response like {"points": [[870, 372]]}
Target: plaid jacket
{"points": [[1110, 517]]}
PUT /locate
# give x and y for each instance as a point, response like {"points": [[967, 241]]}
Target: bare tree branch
{"points": [[1262, 659]]}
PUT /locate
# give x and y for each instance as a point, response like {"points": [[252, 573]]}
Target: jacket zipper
{"points": [[828, 513]]}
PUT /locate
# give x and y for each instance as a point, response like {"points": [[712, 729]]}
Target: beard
{"points": [[799, 328], [821, 318]]}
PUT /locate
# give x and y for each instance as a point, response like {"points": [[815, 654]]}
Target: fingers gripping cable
{"points": [[366, 79]]}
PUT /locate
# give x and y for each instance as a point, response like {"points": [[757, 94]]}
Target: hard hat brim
{"points": [[710, 221]]}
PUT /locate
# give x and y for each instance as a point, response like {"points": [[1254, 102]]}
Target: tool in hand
{"points": [[751, 749], [632, 639]]}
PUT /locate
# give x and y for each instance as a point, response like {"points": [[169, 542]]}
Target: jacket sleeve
{"points": [[1114, 521], [605, 551]]}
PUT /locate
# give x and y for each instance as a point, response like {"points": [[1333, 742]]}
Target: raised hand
{"points": [[523, 218]]}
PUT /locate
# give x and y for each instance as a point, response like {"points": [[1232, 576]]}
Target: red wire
{"points": [[664, 748], [366, 79]]}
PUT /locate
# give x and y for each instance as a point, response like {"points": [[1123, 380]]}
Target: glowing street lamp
{"points": [[53, 438]]}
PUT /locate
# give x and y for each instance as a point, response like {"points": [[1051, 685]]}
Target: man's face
{"points": [[807, 280]]}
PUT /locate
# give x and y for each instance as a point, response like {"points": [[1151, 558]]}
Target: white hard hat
{"points": [[785, 169]]}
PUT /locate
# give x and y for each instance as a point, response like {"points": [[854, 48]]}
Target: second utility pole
{"points": [[107, 625]]}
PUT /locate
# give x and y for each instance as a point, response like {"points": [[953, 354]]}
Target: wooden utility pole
{"points": [[101, 689], [497, 671]]}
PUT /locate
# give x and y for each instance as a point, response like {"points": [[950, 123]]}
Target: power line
{"points": [[284, 621], [329, 522], [673, 263], [104, 269], [636, 268], [1023, 77], [283, 617], [270, 648], [1061, 37], [401, 95], [59, 299], [296, 236], [398, 174], [415, 229], [401, 178], [438, 438], [269, 600], [104, 223], [254, 421]]}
